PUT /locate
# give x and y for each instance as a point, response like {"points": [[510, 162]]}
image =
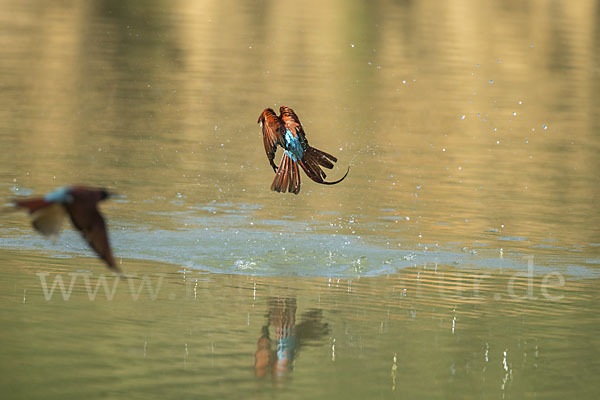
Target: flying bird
{"points": [[81, 204], [286, 131]]}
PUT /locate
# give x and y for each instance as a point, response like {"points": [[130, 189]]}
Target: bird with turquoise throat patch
{"points": [[286, 131]]}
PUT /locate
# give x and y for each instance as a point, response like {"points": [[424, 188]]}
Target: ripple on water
{"points": [[295, 252]]}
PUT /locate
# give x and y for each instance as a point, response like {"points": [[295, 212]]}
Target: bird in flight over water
{"points": [[81, 204], [286, 131]]}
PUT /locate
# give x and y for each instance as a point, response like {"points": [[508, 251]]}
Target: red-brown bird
{"points": [[286, 131], [81, 204]]}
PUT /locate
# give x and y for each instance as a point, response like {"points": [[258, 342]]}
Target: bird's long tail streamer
{"points": [[312, 161]]}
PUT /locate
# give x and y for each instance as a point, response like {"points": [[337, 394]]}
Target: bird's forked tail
{"points": [[287, 176]]}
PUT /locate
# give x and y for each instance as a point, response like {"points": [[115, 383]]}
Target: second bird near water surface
{"points": [[81, 205]]}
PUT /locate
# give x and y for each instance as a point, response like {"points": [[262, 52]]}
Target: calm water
{"points": [[459, 259]]}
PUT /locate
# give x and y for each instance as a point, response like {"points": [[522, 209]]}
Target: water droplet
{"points": [[404, 82], [352, 45], [545, 126], [520, 102], [497, 142], [514, 114], [444, 149], [462, 116]]}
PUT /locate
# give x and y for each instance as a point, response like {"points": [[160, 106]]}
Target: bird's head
{"points": [[98, 194]]}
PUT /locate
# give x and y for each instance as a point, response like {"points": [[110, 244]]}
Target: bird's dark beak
{"points": [[110, 195]]}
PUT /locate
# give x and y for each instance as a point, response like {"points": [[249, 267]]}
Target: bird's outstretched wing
{"points": [[88, 220], [48, 221], [47, 217], [273, 131]]}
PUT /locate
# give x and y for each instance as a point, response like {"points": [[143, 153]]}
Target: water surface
{"points": [[465, 241]]}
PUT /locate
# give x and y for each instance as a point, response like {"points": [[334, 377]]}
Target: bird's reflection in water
{"points": [[278, 346]]}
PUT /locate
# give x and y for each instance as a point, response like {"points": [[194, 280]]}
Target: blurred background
{"points": [[471, 132]]}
